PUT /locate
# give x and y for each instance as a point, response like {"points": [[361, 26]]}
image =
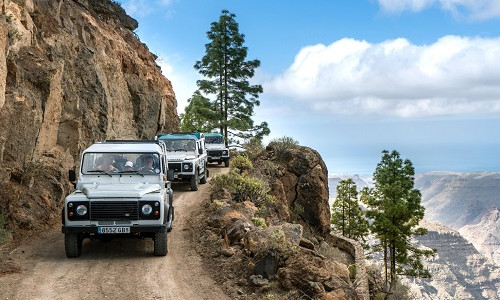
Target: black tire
{"points": [[170, 197], [226, 163], [219, 162], [194, 181], [160, 243], [170, 218], [72, 245], [203, 180]]}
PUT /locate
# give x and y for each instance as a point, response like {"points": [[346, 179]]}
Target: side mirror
{"points": [[170, 175], [72, 175], [200, 151]]}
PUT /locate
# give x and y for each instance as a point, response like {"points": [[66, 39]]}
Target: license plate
{"points": [[113, 230], [215, 157]]}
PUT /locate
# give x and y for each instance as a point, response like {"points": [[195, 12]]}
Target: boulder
{"points": [[282, 239], [314, 275]]}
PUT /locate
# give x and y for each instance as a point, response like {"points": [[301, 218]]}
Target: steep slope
{"points": [[467, 202], [458, 199], [458, 271], [72, 72], [485, 235]]}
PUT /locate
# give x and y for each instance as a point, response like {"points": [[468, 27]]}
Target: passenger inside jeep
{"points": [[107, 164]]}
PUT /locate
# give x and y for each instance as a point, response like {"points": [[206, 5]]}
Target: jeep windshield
{"points": [[181, 145], [214, 140], [121, 163]]}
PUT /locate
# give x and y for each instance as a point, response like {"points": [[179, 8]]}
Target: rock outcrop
{"points": [[300, 185], [72, 72]]}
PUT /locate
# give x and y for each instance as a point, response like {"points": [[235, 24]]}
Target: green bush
{"points": [[254, 148], [283, 144], [243, 188], [242, 163], [260, 222]]}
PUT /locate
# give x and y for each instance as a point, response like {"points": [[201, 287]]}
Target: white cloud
{"points": [[453, 76], [474, 9]]}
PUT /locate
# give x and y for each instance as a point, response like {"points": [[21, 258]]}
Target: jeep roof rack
{"points": [[198, 135]]}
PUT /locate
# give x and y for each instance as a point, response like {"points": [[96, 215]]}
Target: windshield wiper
{"points": [[180, 150], [100, 171], [133, 172]]}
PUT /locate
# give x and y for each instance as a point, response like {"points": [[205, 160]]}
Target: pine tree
{"points": [[226, 72], [347, 215], [199, 115], [394, 206]]}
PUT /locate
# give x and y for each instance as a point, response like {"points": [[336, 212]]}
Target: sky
{"points": [[353, 78]]}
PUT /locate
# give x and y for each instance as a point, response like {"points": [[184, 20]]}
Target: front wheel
{"points": [[226, 163], [203, 180], [194, 181], [160, 243], [72, 245]]}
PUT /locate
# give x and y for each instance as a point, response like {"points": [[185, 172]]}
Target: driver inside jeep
{"points": [[147, 165]]}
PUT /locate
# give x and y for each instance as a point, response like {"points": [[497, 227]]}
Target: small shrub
{"points": [[260, 222], [281, 245], [242, 163], [254, 148], [296, 212], [283, 144], [243, 188], [216, 205]]}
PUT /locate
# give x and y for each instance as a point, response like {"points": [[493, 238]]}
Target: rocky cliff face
{"points": [[458, 270], [467, 202], [72, 72]]}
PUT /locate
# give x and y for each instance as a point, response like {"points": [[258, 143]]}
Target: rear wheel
{"points": [[160, 243], [72, 244], [194, 181]]}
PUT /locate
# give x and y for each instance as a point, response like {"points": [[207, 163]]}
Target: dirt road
{"points": [[120, 269]]}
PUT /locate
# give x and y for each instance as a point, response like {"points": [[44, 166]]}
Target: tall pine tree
{"points": [[226, 73], [394, 206], [347, 215]]}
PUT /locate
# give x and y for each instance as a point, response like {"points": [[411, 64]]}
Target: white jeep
{"points": [[216, 148], [186, 156], [122, 191]]}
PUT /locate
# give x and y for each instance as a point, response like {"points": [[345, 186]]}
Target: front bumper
{"points": [[133, 229]]}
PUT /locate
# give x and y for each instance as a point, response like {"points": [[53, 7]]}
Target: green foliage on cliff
{"points": [[243, 188]]}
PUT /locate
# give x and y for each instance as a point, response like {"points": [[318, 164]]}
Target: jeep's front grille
{"points": [[215, 152], [175, 166], [115, 210]]}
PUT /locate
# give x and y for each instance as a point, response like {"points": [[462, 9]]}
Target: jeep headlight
{"points": [[224, 152], [186, 167], [146, 209], [81, 210]]}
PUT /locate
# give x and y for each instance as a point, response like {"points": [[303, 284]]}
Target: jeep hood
{"points": [[215, 146], [180, 156], [133, 190]]}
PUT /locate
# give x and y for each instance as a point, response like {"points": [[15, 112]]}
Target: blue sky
{"points": [[352, 78]]}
